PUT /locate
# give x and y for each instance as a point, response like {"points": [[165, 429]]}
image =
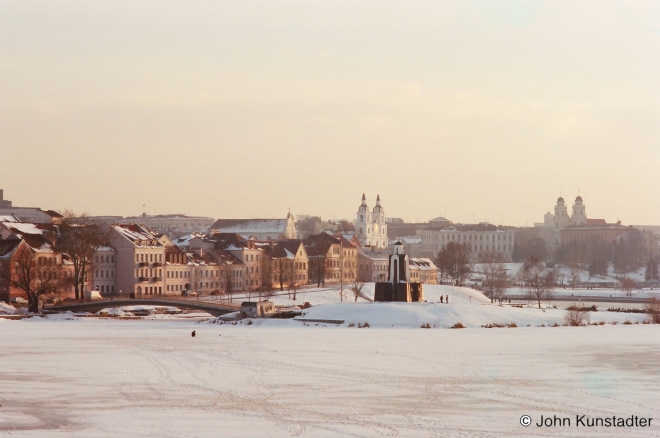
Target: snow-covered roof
{"points": [[377, 257], [250, 226], [164, 216], [423, 263], [21, 228], [409, 240], [184, 241], [137, 234], [9, 218]]}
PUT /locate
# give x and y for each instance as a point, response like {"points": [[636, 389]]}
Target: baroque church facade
{"points": [[561, 219], [371, 227]]}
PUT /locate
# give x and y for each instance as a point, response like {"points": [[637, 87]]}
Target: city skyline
{"points": [[459, 109]]}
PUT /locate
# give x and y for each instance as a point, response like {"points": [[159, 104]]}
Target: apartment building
{"points": [[139, 257], [484, 240], [103, 271], [285, 262]]}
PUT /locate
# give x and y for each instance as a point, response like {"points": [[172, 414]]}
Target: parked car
{"points": [[189, 293], [19, 300]]}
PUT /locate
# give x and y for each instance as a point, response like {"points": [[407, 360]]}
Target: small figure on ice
{"points": [[193, 333]]}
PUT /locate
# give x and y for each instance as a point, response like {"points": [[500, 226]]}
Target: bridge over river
{"points": [[215, 309]]}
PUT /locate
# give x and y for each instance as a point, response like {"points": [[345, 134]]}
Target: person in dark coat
{"points": [[193, 333], [442, 298], [447, 299]]}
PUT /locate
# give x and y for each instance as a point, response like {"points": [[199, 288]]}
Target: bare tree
{"points": [[627, 284], [454, 260], [574, 273], [344, 226], [653, 309], [79, 239], [539, 278], [269, 292], [317, 268], [559, 275], [341, 271], [356, 287], [293, 282], [34, 276], [495, 278], [229, 285], [651, 270], [280, 272]]}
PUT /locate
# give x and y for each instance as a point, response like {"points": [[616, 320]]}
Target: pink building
{"points": [[139, 260]]}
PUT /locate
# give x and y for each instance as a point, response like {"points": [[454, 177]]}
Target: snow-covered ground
{"points": [[117, 378], [467, 306], [636, 293]]}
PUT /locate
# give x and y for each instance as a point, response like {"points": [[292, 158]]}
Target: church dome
{"points": [[579, 198], [560, 199]]}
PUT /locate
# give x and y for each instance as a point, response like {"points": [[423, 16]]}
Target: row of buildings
{"points": [[169, 254], [137, 260]]}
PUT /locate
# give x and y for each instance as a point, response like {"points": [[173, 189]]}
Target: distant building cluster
{"points": [[153, 255], [560, 228], [178, 254]]}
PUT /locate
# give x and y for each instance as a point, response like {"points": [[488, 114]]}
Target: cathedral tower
{"points": [[371, 228], [579, 216], [561, 214], [379, 228], [362, 222]]}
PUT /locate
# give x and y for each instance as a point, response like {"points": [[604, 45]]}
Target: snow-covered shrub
{"points": [[577, 317]]}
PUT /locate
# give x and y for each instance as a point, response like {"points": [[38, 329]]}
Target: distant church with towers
{"points": [[561, 219], [370, 227]]}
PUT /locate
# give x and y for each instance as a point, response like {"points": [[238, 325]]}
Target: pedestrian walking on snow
{"points": [[193, 333]]}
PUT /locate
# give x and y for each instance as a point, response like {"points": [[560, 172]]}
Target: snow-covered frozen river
{"points": [[108, 378]]}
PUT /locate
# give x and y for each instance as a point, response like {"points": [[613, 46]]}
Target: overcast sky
{"points": [[473, 110]]}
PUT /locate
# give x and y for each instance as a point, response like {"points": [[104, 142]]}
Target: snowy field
{"points": [[467, 306], [114, 378]]}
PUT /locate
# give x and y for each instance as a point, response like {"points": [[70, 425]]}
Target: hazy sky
{"points": [[474, 110]]}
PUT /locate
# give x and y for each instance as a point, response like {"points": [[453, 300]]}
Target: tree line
{"points": [[626, 254]]}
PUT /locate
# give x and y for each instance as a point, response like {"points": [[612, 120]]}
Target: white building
{"points": [[423, 270], [104, 271], [371, 227], [258, 229], [483, 240], [373, 264], [170, 222]]}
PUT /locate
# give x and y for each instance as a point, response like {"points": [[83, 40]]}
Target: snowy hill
{"points": [[467, 306]]}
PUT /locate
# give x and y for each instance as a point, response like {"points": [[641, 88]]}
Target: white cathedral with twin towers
{"points": [[370, 227]]}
